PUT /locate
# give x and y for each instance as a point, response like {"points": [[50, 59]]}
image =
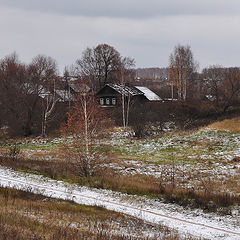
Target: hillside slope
{"points": [[232, 125]]}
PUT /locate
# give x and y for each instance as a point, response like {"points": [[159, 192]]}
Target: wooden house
{"points": [[111, 94]]}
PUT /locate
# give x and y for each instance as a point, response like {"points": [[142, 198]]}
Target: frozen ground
{"points": [[194, 158], [186, 175], [207, 145], [186, 221]]}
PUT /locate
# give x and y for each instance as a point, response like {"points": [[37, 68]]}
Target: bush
{"points": [[14, 151]]}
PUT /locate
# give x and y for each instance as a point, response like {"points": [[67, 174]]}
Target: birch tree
{"points": [[126, 76], [85, 120], [43, 73], [49, 104], [181, 67]]}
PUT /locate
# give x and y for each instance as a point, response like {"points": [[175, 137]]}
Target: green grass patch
{"points": [[212, 145]]}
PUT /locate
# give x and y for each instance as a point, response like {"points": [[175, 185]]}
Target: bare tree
{"points": [[85, 119], [100, 65], [108, 61], [49, 103], [181, 68], [21, 86], [223, 86], [13, 95], [103, 64], [126, 76], [86, 67], [213, 78], [43, 72], [231, 89]]}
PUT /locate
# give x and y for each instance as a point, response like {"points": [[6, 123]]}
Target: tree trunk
{"points": [[85, 124], [128, 106], [123, 102]]}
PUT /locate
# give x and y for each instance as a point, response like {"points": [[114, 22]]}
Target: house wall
{"points": [[107, 91], [110, 97], [109, 101]]}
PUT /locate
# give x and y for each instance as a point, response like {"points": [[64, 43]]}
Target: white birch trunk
{"points": [[123, 101], [128, 107], [85, 124], [50, 105]]}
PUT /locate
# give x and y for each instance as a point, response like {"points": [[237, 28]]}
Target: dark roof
{"points": [[79, 88], [64, 96], [125, 90], [128, 90]]}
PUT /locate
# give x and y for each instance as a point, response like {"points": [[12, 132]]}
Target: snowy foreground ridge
{"points": [[195, 223]]}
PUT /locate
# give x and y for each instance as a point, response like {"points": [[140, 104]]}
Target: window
{"points": [[114, 101], [101, 101], [107, 101]]}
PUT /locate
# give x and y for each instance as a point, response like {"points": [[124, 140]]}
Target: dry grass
{"points": [[176, 179], [27, 216], [205, 194], [232, 125]]}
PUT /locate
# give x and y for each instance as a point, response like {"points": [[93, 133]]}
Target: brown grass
{"points": [[205, 195], [232, 125], [27, 216]]}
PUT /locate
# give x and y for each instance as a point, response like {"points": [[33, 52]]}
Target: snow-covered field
{"points": [[186, 221], [195, 158]]}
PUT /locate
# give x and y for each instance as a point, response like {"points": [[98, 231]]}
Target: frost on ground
{"points": [[186, 175], [194, 158], [187, 222], [208, 145]]}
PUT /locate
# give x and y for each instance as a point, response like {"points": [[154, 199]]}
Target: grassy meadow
{"points": [[199, 169]]}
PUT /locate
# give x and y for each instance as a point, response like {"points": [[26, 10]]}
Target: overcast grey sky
{"points": [[146, 30]]}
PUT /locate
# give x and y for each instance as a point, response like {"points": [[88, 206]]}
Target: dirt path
{"points": [[200, 227]]}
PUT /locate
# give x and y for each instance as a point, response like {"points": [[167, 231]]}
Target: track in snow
{"points": [[83, 195]]}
